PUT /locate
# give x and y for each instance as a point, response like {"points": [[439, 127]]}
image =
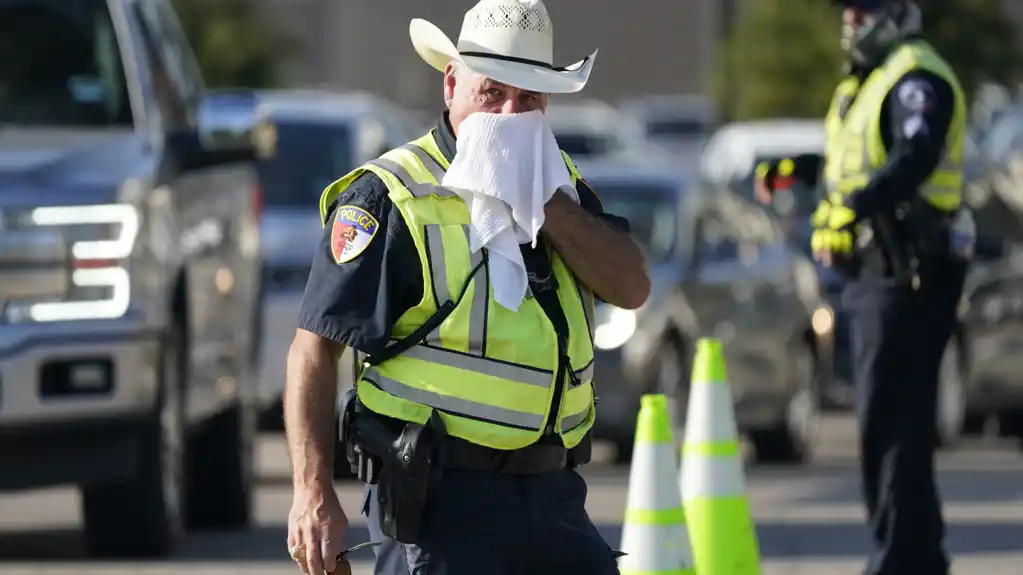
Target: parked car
{"points": [[320, 136], [733, 151], [720, 268], [592, 129], [679, 123], [994, 176], [128, 273], [973, 385]]}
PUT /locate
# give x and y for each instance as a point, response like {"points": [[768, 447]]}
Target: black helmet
{"points": [[886, 26], [865, 5]]}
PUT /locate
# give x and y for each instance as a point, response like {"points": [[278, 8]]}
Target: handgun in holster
{"points": [[400, 464]]}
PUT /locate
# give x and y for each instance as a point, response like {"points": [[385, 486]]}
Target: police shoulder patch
{"points": [[354, 228], [916, 95]]}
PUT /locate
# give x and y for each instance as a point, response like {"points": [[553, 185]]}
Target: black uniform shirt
{"points": [[356, 303]]}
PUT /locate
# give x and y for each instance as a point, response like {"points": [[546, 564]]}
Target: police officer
{"points": [[504, 399], [893, 174]]}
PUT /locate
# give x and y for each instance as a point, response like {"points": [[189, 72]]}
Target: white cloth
{"points": [[506, 168]]}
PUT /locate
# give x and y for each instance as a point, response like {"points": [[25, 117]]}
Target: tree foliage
{"points": [[783, 59], [235, 44]]}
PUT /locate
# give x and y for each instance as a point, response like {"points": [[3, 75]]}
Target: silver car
{"points": [[320, 137]]}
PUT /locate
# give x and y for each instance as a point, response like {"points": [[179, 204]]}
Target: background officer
{"points": [[507, 499], [893, 177]]}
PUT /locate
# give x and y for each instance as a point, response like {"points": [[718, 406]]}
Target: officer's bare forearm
{"points": [[310, 396], [605, 259]]}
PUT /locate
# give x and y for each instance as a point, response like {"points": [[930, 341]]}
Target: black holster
{"points": [[401, 463]]}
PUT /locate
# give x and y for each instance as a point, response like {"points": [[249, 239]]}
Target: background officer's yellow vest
{"points": [[488, 371], [855, 148]]}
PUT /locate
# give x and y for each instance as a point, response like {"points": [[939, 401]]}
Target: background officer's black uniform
{"points": [[899, 335], [357, 303]]}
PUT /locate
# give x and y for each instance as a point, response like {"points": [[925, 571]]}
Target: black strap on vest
{"points": [[416, 337]]}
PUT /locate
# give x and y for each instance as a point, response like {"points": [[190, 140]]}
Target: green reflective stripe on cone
{"points": [[713, 449], [655, 516]]}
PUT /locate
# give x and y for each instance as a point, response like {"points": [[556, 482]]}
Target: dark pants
{"points": [[480, 523], [898, 339]]}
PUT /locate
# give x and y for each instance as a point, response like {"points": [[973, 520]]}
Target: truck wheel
{"points": [[794, 440], [222, 476], [624, 445], [143, 517]]}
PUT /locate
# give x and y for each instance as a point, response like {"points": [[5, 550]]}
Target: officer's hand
{"points": [[317, 527], [819, 217], [827, 244], [761, 186]]}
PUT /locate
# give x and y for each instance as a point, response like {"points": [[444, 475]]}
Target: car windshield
{"points": [[581, 144], [801, 199], [1004, 136], [650, 208], [310, 155], [60, 65], [672, 128]]}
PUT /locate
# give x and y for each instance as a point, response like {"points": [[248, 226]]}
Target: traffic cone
{"points": [[654, 537], [713, 489]]}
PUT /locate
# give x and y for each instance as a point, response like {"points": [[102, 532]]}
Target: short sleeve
{"points": [[353, 294], [590, 202]]}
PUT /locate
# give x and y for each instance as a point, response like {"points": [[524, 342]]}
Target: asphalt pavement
{"points": [[808, 519]]}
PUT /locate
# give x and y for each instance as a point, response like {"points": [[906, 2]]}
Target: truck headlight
{"points": [[615, 328], [823, 320], [100, 240]]}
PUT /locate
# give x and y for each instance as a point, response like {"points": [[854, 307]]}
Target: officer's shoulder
{"points": [[367, 192], [922, 89]]}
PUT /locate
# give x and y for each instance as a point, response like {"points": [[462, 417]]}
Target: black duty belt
{"points": [[532, 460]]}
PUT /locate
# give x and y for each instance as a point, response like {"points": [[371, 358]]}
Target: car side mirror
{"points": [[232, 125]]}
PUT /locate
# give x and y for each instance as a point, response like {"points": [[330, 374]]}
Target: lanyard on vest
{"points": [[399, 347]]}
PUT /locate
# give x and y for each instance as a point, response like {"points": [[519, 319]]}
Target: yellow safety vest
{"points": [[855, 148], [489, 372]]}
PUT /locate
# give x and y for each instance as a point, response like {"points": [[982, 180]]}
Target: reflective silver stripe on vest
{"points": [[431, 164], [437, 263], [418, 190], [570, 422], [481, 365], [586, 373], [480, 299], [530, 421], [441, 293]]}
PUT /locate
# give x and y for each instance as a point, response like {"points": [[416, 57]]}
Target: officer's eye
{"points": [[493, 93]]}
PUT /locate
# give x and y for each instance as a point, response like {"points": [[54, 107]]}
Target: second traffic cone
{"points": [[713, 489], [654, 536]]}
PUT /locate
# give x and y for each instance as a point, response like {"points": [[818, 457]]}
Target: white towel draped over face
{"points": [[506, 168]]}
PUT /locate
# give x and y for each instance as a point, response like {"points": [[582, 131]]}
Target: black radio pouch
{"points": [[364, 465]]}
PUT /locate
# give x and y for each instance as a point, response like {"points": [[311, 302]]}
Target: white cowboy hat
{"points": [[510, 41]]}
